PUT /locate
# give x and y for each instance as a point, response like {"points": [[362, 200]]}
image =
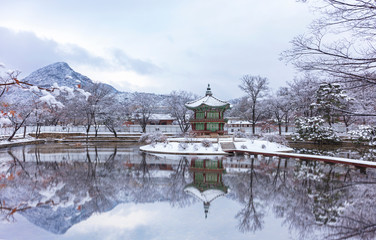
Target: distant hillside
{"points": [[62, 74]]}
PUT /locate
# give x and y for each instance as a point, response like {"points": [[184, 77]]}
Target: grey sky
{"points": [[155, 46]]}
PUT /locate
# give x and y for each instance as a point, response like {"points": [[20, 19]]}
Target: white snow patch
{"points": [[87, 198], [215, 149], [51, 101], [5, 122], [83, 92], [34, 89], [50, 192]]}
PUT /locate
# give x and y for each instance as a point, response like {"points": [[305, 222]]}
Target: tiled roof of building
{"points": [[208, 100]]}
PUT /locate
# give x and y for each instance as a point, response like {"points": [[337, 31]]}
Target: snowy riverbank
{"points": [[20, 141], [214, 148]]}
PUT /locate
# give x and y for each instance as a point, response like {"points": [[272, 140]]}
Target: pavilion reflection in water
{"points": [[207, 181]]}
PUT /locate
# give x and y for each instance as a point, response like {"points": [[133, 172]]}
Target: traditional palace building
{"points": [[208, 114]]}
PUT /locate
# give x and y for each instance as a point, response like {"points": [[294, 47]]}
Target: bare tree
{"points": [[143, 106], [178, 110], [303, 95], [341, 44], [94, 104], [256, 88], [115, 113], [18, 114]]}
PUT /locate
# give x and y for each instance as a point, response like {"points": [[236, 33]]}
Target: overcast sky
{"points": [[155, 45]]}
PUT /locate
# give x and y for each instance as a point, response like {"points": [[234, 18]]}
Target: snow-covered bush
{"points": [[263, 146], [240, 134], [243, 146], [189, 137], [364, 133], [183, 146], [195, 147], [206, 143], [5, 122], [312, 129], [153, 137], [328, 97], [276, 138]]}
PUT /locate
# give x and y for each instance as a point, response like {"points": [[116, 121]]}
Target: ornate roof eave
{"points": [[208, 101], [203, 195], [225, 105]]}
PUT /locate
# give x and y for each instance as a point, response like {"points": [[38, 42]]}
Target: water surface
{"points": [[61, 191]]}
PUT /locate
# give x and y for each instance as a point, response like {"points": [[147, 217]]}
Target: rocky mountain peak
{"points": [[62, 74]]}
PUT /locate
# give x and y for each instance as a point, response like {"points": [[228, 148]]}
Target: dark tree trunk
{"points": [[253, 120], [37, 130], [18, 126]]}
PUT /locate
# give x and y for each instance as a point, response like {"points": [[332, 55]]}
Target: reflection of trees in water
{"points": [[145, 186], [251, 215], [309, 196], [312, 198], [55, 186], [99, 195], [177, 183], [357, 219]]}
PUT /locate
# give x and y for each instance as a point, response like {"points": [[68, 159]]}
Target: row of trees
{"points": [[337, 61], [304, 98], [313, 199], [337, 84], [98, 105], [93, 106]]}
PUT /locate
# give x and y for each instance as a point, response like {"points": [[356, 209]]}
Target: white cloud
{"points": [[159, 46]]}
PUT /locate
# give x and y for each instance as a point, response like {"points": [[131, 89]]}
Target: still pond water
{"points": [[72, 191]]}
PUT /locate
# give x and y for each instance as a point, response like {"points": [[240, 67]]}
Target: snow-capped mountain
{"points": [[62, 74]]}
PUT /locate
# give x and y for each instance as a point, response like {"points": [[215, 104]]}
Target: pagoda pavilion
{"points": [[208, 114]]}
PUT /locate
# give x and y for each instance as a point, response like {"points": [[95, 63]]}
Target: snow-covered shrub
{"points": [[263, 146], [216, 149], [183, 146], [195, 148], [153, 137], [276, 138], [312, 129], [243, 146], [189, 137], [330, 96], [5, 122], [364, 133], [206, 143], [240, 134]]}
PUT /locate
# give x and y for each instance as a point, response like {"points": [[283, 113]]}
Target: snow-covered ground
{"points": [[197, 148], [18, 141]]}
